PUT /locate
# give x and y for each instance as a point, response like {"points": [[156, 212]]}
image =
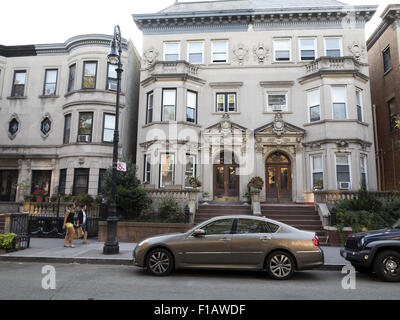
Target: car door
{"points": [[214, 248], [249, 241]]}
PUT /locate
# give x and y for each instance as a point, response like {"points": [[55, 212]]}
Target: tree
{"points": [[131, 198]]}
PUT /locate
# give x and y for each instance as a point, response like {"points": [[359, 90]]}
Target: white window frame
{"points": [[315, 49], [349, 164], [360, 91], [310, 106], [290, 49], [147, 159], [314, 171], [173, 168], [277, 93], [188, 92], [226, 52], [163, 105], [148, 95], [363, 157], [226, 101], [179, 50], [340, 44], [194, 168], [345, 102], [202, 51]]}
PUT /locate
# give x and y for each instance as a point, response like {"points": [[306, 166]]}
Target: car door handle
{"points": [[265, 238], [225, 239]]}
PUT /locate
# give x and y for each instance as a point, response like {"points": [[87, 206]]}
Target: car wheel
{"points": [[387, 266], [361, 269], [159, 262], [280, 265]]}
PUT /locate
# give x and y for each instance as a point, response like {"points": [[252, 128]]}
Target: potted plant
{"points": [[194, 182], [318, 184], [39, 194], [256, 184]]}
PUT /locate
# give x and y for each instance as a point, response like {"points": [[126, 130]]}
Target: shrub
{"points": [[170, 210], [7, 241], [84, 199]]}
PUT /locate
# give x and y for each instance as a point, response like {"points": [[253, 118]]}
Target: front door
{"points": [[226, 182], [278, 178]]}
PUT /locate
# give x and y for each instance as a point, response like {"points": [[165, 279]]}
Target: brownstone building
{"points": [[384, 59]]}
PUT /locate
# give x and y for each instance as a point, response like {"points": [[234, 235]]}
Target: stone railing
{"points": [[332, 197], [172, 67], [332, 64], [51, 209]]}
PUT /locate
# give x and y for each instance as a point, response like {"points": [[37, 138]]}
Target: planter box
{"points": [[137, 231], [333, 234]]}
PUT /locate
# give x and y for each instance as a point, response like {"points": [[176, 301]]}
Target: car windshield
{"points": [[397, 225]]}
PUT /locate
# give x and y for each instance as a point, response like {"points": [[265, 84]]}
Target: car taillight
{"points": [[315, 240]]}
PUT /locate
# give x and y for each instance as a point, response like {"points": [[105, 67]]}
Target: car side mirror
{"points": [[199, 233]]}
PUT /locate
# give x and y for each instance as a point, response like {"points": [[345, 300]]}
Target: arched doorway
{"points": [[278, 178], [226, 179]]}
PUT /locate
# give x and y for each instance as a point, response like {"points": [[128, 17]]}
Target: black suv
{"points": [[377, 251]]}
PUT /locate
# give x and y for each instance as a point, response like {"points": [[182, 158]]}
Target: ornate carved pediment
{"points": [[225, 127], [280, 128]]}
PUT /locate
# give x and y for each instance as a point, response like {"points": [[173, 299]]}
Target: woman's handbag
{"points": [[78, 233]]}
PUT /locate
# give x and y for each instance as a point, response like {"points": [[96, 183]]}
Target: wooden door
{"points": [[278, 179], [226, 183]]}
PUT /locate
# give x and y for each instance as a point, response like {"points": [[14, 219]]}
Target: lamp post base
{"points": [[111, 248]]}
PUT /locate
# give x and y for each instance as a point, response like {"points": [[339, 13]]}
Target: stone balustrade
{"points": [[332, 64], [172, 67], [334, 196]]}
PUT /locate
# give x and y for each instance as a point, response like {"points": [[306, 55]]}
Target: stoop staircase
{"points": [[303, 217]]}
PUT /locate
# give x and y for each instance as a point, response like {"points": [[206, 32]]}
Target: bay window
{"points": [[169, 105]]}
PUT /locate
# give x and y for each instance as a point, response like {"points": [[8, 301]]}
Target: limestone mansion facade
{"points": [[235, 89]]}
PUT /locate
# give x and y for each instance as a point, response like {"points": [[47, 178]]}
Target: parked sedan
{"points": [[233, 242]]}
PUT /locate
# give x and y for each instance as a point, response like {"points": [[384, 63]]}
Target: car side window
{"points": [[273, 227], [246, 226], [219, 227]]}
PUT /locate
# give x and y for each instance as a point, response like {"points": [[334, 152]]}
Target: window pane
{"points": [[169, 113], [387, 63], [85, 123], [283, 45], [191, 99], [89, 75], [20, 78], [167, 174], [331, 44], [220, 102], [109, 121], [318, 180], [277, 100], [169, 97], [315, 114], [313, 98], [220, 46], [51, 76], [49, 89], [342, 159], [339, 111], [219, 57], [172, 48], [71, 79], [246, 226], [67, 128], [112, 73], [282, 55], [232, 102], [171, 57], [219, 227], [190, 115], [195, 58], [317, 164], [195, 47], [338, 94], [108, 135]]}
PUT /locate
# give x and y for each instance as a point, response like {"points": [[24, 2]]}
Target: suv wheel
{"points": [[280, 265], [387, 266], [159, 262]]}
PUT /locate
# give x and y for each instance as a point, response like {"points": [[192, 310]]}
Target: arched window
{"points": [[277, 158]]}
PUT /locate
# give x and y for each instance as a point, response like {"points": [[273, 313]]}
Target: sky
{"points": [[54, 21]]}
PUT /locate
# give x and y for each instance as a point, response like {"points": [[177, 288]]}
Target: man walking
{"points": [[82, 218]]}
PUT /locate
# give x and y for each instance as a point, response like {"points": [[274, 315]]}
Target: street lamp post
{"points": [[111, 246]]}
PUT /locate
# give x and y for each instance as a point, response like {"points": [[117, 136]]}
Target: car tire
{"points": [[361, 269], [280, 265], [159, 262], [387, 266]]}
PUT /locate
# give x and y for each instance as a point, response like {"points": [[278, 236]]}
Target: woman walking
{"points": [[69, 224]]}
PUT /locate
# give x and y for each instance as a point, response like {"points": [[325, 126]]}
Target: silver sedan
{"points": [[233, 242]]}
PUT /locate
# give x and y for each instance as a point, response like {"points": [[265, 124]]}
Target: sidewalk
{"points": [[52, 251]]}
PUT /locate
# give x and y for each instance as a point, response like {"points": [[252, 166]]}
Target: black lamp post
{"points": [[111, 246]]}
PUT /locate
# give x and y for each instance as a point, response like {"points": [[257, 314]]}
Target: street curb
{"points": [[123, 262]]}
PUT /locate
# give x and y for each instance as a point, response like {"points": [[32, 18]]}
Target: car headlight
{"points": [[142, 243]]}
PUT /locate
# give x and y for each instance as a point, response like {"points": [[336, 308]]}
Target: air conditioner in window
{"points": [[276, 108], [344, 185], [83, 138]]}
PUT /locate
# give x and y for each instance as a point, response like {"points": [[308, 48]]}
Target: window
{"points": [[359, 105], [313, 98], [226, 102], [169, 105], [247, 226], [282, 50], [277, 102], [343, 172], [50, 82], [273, 227], [13, 127], [62, 181], [392, 114], [196, 52], [363, 171], [333, 47], [18, 88], [307, 49], [45, 126], [190, 169], [167, 170], [147, 168], [191, 106], [111, 77], [387, 62], [89, 75], [67, 128], [172, 51], [85, 127], [102, 181], [81, 182], [219, 51], [317, 173], [223, 226], [41, 180], [149, 109], [108, 127], [71, 77], [339, 103]]}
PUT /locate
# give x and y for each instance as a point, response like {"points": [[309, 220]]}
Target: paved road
{"points": [[74, 281]]}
